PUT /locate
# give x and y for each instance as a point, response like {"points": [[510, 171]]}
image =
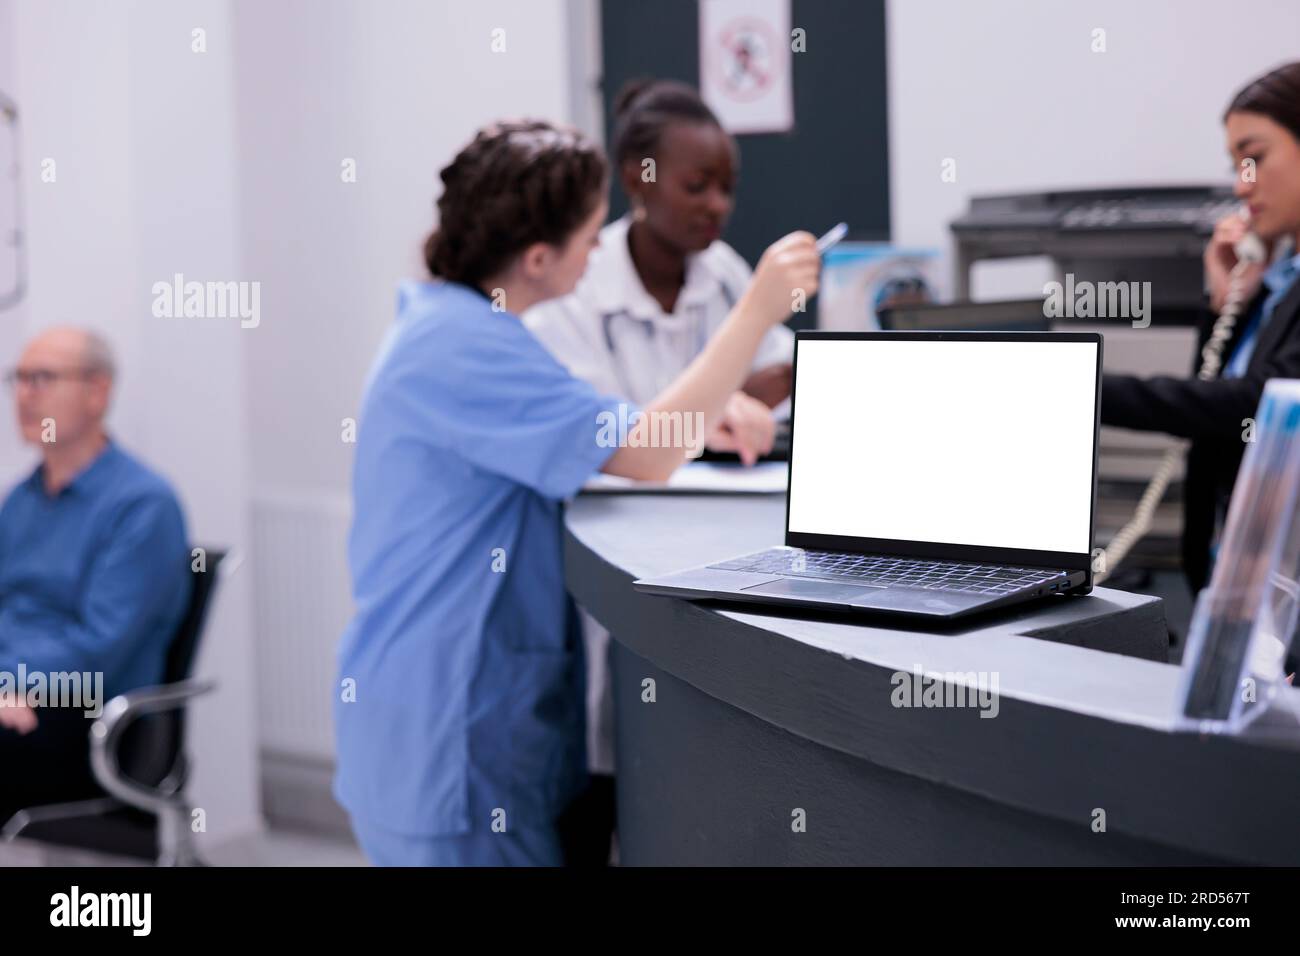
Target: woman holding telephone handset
{"points": [[1259, 342]]}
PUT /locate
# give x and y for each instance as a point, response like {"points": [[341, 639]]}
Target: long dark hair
{"points": [[1276, 95], [515, 184]]}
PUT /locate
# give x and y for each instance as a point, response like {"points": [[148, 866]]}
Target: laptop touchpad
{"points": [[804, 589]]}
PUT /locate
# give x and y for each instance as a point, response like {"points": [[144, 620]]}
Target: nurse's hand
{"points": [[789, 266], [747, 428]]}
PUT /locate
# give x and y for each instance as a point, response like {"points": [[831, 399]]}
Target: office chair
{"points": [[137, 755]]}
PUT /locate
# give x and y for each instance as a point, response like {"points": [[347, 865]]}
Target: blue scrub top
{"points": [[464, 651]]}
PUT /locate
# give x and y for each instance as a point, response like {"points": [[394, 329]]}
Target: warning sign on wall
{"points": [[745, 61]]}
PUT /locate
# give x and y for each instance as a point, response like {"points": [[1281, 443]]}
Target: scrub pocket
{"points": [[545, 731]]}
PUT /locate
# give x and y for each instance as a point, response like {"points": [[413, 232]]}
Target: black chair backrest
{"points": [[185, 645], [152, 745]]}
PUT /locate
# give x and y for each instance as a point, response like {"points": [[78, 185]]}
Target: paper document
{"points": [[701, 477]]}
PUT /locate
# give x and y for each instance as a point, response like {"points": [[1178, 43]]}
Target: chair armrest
{"points": [[50, 812], [106, 737]]}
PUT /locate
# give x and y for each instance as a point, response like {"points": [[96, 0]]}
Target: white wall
{"points": [[141, 129], [13, 321], [398, 86], [1011, 90]]}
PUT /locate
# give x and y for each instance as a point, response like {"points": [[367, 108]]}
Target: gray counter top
{"points": [[1083, 722]]}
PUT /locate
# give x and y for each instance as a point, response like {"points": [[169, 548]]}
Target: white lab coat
{"points": [[611, 332]]}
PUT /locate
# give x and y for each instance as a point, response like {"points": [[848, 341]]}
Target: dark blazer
{"points": [[1210, 414]]}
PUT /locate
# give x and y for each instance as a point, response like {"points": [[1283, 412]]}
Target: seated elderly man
{"points": [[94, 573]]}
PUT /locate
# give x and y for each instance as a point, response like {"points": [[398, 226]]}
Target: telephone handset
{"points": [[1250, 250]]}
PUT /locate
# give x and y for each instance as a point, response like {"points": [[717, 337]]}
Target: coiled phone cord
{"points": [[1211, 364]]}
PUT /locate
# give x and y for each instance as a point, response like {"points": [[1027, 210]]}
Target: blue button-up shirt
{"points": [[460, 695], [1278, 280], [94, 578]]}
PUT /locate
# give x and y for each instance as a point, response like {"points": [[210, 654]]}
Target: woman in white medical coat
{"points": [[661, 281]]}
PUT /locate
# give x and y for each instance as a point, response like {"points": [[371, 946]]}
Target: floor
{"points": [[287, 848], [268, 848]]}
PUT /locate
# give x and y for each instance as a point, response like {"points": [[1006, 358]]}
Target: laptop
{"points": [[931, 474]]}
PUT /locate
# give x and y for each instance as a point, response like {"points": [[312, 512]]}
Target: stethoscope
{"points": [[648, 330]]}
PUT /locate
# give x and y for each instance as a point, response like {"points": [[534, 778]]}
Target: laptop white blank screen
{"points": [[986, 443]]}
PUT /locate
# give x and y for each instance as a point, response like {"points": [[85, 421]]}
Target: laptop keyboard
{"points": [[883, 571]]}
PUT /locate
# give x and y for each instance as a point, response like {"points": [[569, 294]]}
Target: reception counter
{"points": [[749, 735]]}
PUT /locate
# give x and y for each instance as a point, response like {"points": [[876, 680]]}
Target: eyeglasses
{"points": [[38, 379]]}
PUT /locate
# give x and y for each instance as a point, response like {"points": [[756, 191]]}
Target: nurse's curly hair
{"points": [[515, 184]]}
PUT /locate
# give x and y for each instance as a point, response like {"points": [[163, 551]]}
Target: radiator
{"points": [[302, 602]]}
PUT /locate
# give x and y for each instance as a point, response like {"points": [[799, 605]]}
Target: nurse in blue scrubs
{"points": [[459, 710]]}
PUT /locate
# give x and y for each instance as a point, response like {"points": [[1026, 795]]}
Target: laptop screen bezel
{"points": [[1065, 560]]}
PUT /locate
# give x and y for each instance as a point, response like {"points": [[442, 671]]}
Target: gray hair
{"points": [[99, 356]]}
